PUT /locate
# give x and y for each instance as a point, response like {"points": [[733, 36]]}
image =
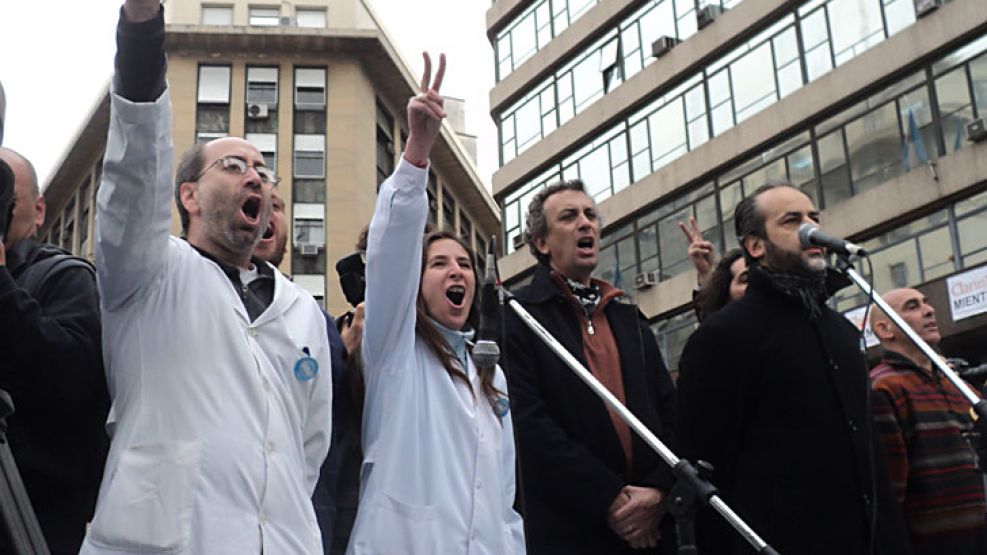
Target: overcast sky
{"points": [[56, 57]]}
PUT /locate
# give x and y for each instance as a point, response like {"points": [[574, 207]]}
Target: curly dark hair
{"points": [[535, 224], [716, 293]]}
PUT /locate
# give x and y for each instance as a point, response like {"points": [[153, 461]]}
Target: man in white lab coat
{"points": [[218, 366]]}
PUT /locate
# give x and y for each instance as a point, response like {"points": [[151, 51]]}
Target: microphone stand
{"points": [[978, 404], [20, 525], [692, 488]]}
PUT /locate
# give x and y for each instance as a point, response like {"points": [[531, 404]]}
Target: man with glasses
{"points": [[217, 364]]}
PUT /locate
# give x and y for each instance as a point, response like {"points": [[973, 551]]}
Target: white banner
{"points": [[856, 317], [968, 293]]}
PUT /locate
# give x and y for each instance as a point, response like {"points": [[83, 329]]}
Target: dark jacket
{"points": [[52, 367], [571, 461], [338, 489], [778, 402]]}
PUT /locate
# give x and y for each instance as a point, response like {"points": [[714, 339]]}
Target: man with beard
{"points": [[590, 485], [773, 391], [922, 419], [218, 366]]}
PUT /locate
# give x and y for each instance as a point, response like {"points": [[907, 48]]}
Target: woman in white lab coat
{"points": [[438, 470]]}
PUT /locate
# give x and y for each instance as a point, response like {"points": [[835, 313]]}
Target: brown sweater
{"points": [[602, 356]]}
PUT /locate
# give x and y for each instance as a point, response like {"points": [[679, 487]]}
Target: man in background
{"points": [[51, 364], [924, 422]]}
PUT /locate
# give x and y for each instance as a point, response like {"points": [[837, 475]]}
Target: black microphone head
{"points": [[805, 233]]}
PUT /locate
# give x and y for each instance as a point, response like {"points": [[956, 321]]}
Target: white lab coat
{"points": [[217, 445], [438, 470]]}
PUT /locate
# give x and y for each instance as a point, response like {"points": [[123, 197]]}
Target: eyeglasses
{"points": [[239, 166]]}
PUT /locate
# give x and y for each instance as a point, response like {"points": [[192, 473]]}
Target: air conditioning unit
{"points": [[308, 249], [925, 7], [287, 21], [257, 111], [708, 14], [976, 130], [645, 280], [518, 241], [661, 46]]}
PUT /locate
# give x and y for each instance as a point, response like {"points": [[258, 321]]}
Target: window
{"points": [[385, 144], [262, 85], [309, 224], [315, 284], [264, 17], [465, 228], [267, 144], [217, 15], [68, 226], [448, 213], [212, 114], [204, 137], [431, 188], [310, 89], [214, 85], [672, 334], [311, 18], [310, 156]]}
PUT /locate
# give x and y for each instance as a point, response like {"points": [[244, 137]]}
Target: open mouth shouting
{"points": [[585, 246], [251, 211], [456, 295]]}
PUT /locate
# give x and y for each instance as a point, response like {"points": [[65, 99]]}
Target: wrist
{"points": [[140, 14]]}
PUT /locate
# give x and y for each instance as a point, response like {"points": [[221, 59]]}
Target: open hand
{"points": [[425, 114], [700, 250]]}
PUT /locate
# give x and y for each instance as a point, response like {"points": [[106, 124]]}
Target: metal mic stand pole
{"points": [[19, 522], [697, 489], [979, 405]]}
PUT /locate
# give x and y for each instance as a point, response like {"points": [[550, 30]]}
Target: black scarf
{"points": [[807, 287], [587, 295]]}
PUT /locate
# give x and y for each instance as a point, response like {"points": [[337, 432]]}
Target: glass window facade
{"points": [[672, 333], [928, 247], [881, 136], [755, 74], [533, 29]]}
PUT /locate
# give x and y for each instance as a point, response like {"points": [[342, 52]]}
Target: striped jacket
{"points": [[922, 418]]}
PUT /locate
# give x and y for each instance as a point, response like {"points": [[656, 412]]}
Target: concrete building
{"points": [[676, 108], [321, 91]]}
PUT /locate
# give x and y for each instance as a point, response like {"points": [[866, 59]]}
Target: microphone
{"points": [[811, 236], [486, 353]]}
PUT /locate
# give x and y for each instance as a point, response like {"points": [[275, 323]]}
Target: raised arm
{"points": [[394, 242], [134, 201]]}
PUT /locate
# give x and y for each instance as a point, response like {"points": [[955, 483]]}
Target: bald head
{"points": [[914, 308], [29, 206], [23, 169]]}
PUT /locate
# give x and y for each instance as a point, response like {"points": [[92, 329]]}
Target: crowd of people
{"points": [[182, 395]]}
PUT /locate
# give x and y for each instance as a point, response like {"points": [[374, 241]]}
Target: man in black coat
{"points": [[773, 391], [51, 364], [589, 484]]}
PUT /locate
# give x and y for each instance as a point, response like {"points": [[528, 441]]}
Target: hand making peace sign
{"points": [[425, 114], [700, 250]]}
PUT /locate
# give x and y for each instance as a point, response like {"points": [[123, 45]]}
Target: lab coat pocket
{"points": [[399, 528], [148, 504]]}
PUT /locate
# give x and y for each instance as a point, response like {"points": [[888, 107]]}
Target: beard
{"points": [[221, 225], [792, 263]]}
